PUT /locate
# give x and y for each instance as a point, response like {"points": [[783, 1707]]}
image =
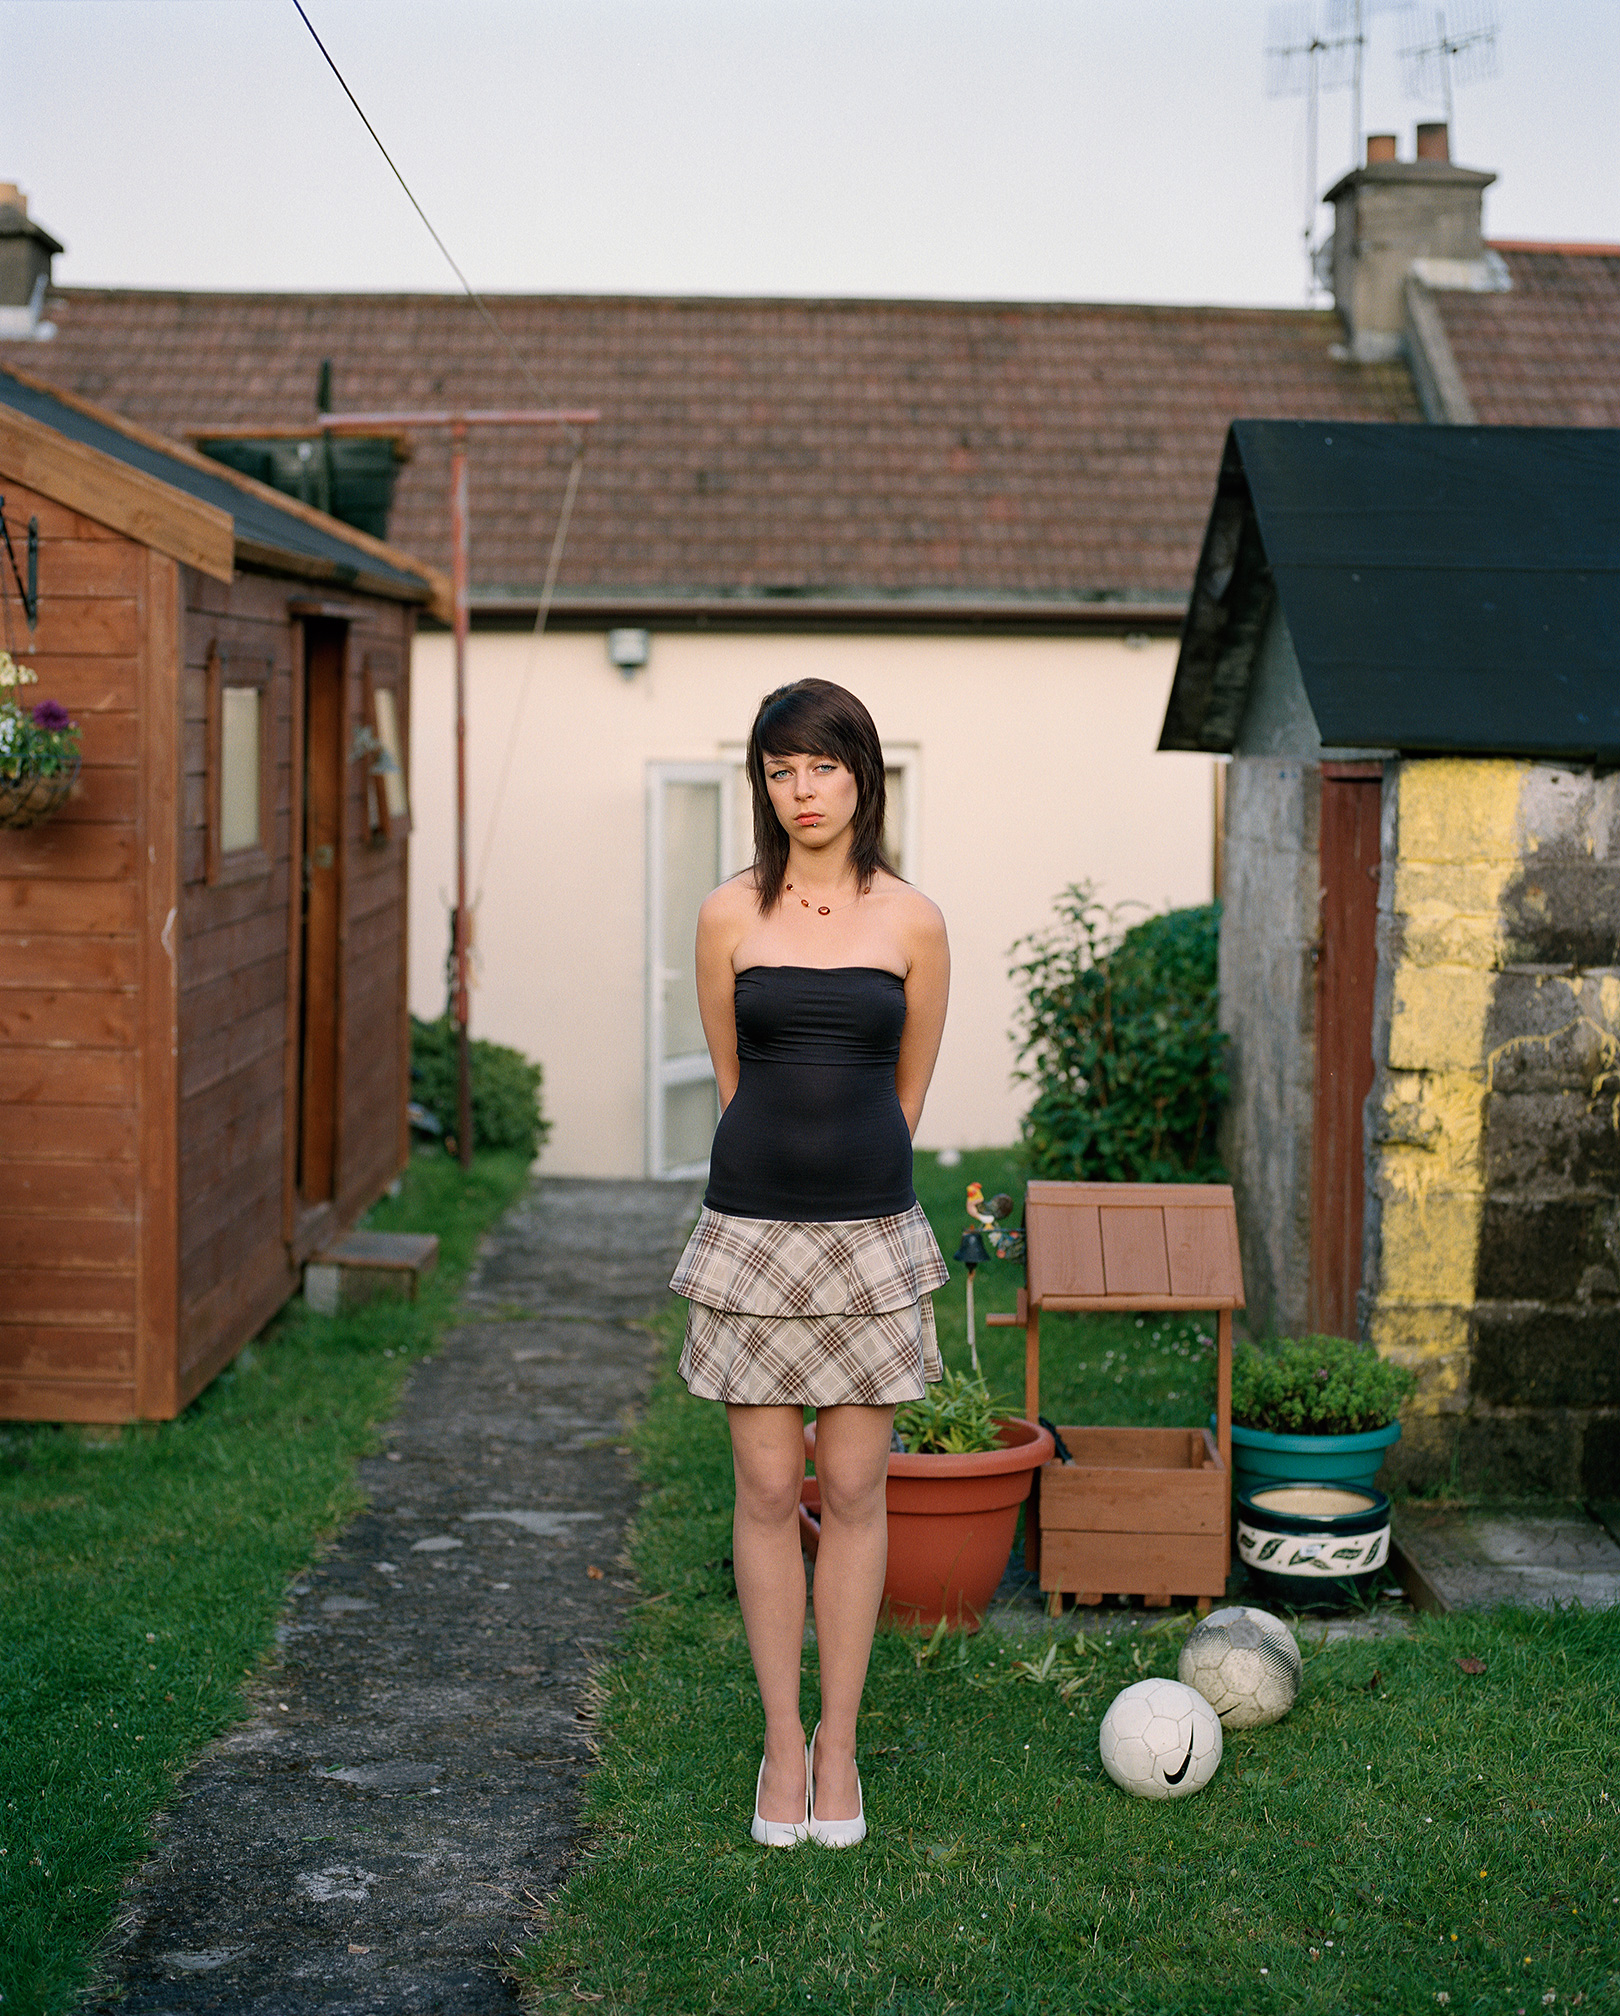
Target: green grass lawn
{"points": [[143, 1575], [1411, 1832]]}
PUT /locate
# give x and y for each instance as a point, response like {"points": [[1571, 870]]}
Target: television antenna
{"points": [[1321, 45], [1463, 51], [1311, 50]]}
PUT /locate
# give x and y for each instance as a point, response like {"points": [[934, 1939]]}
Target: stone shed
{"points": [[1408, 640]]}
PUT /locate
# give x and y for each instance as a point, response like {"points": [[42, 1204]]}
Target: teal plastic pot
{"points": [[1260, 1457]]}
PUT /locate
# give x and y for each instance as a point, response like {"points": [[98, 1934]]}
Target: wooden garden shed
{"points": [[204, 1047]]}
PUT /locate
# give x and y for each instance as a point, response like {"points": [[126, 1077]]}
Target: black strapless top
{"points": [[815, 1132]]}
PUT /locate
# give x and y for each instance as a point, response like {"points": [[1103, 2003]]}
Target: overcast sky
{"points": [[1048, 149]]}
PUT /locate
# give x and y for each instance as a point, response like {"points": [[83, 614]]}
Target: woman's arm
{"points": [[720, 924], [928, 986]]}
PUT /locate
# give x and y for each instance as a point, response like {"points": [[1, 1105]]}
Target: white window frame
{"points": [[663, 1073]]}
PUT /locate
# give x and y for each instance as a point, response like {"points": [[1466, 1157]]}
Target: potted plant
{"points": [[39, 751], [1306, 1542], [1307, 1408], [956, 1482]]}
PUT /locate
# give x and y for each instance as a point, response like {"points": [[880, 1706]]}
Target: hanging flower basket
{"points": [[30, 799], [39, 751]]}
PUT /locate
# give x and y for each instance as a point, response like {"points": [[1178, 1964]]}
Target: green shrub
{"points": [[505, 1088], [956, 1417], [1316, 1386], [1117, 1032]]}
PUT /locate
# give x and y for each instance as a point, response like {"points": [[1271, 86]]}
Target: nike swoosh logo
{"points": [[1175, 1777]]}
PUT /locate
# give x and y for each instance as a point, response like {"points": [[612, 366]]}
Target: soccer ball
{"points": [[1245, 1664], [1160, 1740]]}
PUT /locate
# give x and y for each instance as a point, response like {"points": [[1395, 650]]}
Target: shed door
{"points": [[1347, 965], [688, 824], [321, 869]]}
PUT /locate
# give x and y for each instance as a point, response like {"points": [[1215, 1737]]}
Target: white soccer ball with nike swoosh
{"points": [[1160, 1740]]}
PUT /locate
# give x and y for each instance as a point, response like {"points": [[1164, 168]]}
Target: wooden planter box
{"points": [[1138, 1511]]}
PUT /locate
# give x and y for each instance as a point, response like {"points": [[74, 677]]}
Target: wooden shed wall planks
{"points": [[242, 1236], [82, 1250], [374, 1030], [147, 1015], [235, 1269]]}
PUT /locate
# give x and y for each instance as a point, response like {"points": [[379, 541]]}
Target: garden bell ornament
{"points": [[970, 1254]]}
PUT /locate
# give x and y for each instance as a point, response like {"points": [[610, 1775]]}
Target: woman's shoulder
{"points": [[908, 902], [732, 904], [918, 919]]}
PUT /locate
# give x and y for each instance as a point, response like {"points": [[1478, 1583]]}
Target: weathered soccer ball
{"points": [[1160, 1740], [1245, 1664]]}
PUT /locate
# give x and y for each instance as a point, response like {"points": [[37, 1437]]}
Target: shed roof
{"points": [[1445, 588], [783, 456], [261, 528]]}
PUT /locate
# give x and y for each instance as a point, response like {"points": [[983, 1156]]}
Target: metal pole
{"points": [[1310, 173], [458, 423], [458, 578]]}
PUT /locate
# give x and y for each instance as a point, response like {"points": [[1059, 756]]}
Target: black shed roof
{"points": [[267, 530], [1445, 588]]}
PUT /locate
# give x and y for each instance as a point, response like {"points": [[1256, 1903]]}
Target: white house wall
{"points": [[1033, 765]]}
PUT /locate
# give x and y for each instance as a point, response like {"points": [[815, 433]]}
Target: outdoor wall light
{"points": [[628, 650]]}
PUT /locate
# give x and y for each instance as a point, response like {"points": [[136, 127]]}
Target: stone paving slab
{"points": [[375, 1837], [1462, 1558], [1018, 1610]]}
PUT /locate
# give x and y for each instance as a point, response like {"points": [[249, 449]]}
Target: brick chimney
{"points": [[1394, 217], [26, 251]]}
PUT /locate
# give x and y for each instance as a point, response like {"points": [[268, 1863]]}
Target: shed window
{"points": [[240, 737], [388, 802], [391, 756], [239, 782]]}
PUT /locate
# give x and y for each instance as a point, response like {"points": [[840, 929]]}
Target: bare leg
{"points": [[767, 1453], [852, 1464]]}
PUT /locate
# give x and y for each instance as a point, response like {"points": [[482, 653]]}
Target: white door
{"points": [[689, 823]]}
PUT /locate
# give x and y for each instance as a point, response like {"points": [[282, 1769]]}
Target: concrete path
{"points": [[1456, 1558], [376, 1836]]}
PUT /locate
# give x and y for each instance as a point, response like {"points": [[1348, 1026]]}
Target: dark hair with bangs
{"points": [[813, 717]]}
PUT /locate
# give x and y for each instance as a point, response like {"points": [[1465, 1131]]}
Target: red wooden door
{"points": [[322, 872], [1347, 965]]}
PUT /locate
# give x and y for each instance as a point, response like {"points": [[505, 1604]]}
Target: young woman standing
{"points": [[822, 981]]}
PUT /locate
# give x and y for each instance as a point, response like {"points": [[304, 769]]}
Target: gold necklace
{"points": [[824, 909]]}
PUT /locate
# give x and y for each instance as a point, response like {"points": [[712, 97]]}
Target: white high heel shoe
{"points": [[832, 1833], [781, 1833]]}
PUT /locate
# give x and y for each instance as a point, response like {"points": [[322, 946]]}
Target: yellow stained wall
{"points": [[1457, 842], [1036, 765]]}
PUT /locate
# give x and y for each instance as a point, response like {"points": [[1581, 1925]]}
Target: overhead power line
{"points": [[468, 288], [541, 615]]}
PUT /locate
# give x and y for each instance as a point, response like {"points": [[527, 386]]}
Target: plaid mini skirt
{"points": [[782, 1313]]}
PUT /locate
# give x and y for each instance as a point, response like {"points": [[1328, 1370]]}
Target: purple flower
{"points": [[51, 714]]}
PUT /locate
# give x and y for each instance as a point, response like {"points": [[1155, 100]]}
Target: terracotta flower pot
{"points": [[951, 1525]]}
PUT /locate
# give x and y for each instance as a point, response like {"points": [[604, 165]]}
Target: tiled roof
{"points": [[847, 448], [1547, 353]]}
